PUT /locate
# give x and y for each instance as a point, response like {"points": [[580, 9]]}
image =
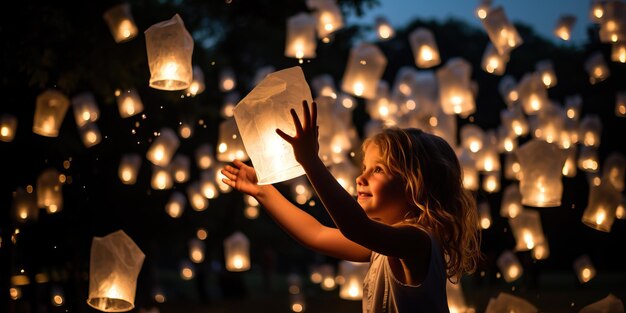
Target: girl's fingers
{"points": [[283, 135], [296, 121], [228, 182], [307, 115], [231, 176], [238, 163], [314, 115]]}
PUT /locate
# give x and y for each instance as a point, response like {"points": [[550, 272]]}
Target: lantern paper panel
{"points": [[545, 69], [261, 112], [197, 200], [597, 68], [584, 269], [161, 178], [163, 147], [491, 182], [613, 22], [600, 211], [8, 125], [384, 30], [90, 134], [620, 104], [455, 94], [121, 23], [129, 168], [51, 106], [610, 304], [85, 109], [128, 102], [564, 27], [197, 82], [424, 47], [505, 302], [329, 18], [353, 275], [591, 130], [49, 191], [175, 206], [230, 145], [180, 168], [541, 164], [301, 41], [364, 69], [169, 46], [24, 207], [526, 228], [237, 252], [468, 166], [569, 167], [532, 93], [227, 80], [492, 62], [614, 169], [502, 33], [114, 266], [510, 267], [507, 87]]}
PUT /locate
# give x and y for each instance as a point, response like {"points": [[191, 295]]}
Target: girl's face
{"points": [[379, 192]]}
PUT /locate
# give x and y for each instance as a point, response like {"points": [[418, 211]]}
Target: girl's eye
{"points": [[378, 170]]}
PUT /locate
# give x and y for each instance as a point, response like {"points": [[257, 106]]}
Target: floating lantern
{"points": [[121, 23], [236, 251], [494, 63], [573, 104], [609, 304], [185, 129], [295, 283], [49, 193], [328, 17], [613, 22], [353, 275], [196, 250], [333, 135], [327, 274], [618, 52], [472, 137], [424, 48], [8, 124], [163, 147], [301, 42], [176, 204], [569, 168], [57, 298], [364, 70], [158, 295], [301, 190], [512, 169], [207, 184], [545, 69], [507, 140], [384, 30], [261, 112], [230, 145], [620, 104], [614, 169], [491, 182], [455, 92], [169, 47], [129, 167], [456, 300], [483, 9], [227, 79], [324, 86], [509, 303], [204, 156], [161, 178], [532, 93], [90, 134], [197, 201], [596, 11], [541, 251], [187, 270], [511, 205], [564, 27], [381, 107], [502, 33], [508, 90], [228, 106], [584, 269], [510, 267], [298, 303], [514, 120], [49, 113], [549, 124], [180, 168], [487, 158], [541, 164], [470, 174], [588, 159], [526, 228], [596, 68], [591, 130], [85, 109], [600, 211], [197, 82], [114, 265], [484, 215], [620, 211], [128, 102], [24, 207]]}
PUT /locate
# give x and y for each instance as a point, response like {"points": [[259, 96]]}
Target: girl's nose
{"points": [[360, 180]]}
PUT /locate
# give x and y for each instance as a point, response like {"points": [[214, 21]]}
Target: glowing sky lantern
{"points": [[573, 105], [24, 206], [507, 87], [472, 137], [381, 107], [301, 41], [384, 30], [180, 168], [514, 120], [564, 25], [365, 67], [620, 104], [333, 134], [610, 303], [470, 174], [618, 52], [204, 156], [505, 302], [511, 205], [197, 200], [603, 201], [297, 303], [492, 62], [208, 186], [128, 102], [569, 168], [324, 86], [329, 18], [120, 22], [49, 191], [588, 159], [597, 68], [114, 265], [491, 182], [532, 93], [227, 80], [455, 92], [482, 9], [510, 266], [596, 11], [197, 82], [541, 164], [129, 168], [541, 251], [549, 124], [8, 125], [85, 109], [512, 169], [545, 69], [352, 274], [487, 158], [501, 32], [90, 134], [584, 269], [484, 215], [526, 228], [261, 112], [229, 144], [196, 250], [163, 147], [614, 169], [456, 300], [236, 252], [424, 47], [590, 130], [175, 206], [50, 110], [161, 178], [613, 22], [169, 47]]}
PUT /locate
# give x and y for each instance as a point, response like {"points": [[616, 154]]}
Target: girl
{"points": [[412, 219]]}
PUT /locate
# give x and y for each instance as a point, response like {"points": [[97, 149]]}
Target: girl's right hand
{"points": [[241, 177]]}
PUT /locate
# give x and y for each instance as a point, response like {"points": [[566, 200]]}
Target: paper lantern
{"points": [[384, 30], [510, 267], [24, 207], [120, 22], [197, 82], [573, 105], [470, 174], [588, 159], [187, 270], [618, 52], [620, 104], [328, 18], [491, 182], [15, 292], [128, 102], [161, 178], [511, 205], [564, 27], [596, 68], [324, 85], [227, 80], [483, 9], [596, 11], [49, 113], [90, 134], [227, 109], [610, 304], [197, 201], [591, 130], [163, 147], [507, 140], [455, 93], [236, 251], [526, 228], [541, 164], [584, 269], [512, 169], [114, 265], [472, 137], [57, 297], [541, 251], [484, 215], [492, 62], [569, 168], [8, 125], [169, 47], [196, 250], [532, 93], [365, 67], [298, 303], [509, 303], [207, 184], [508, 90], [456, 300], [85, 109], [487, 158], [600, 211], [514, 120], [380, 107], [185, 129], [301, 41], [180, 168], [614, 169], [301, 190], [294, 282], [261, 112], [620, 211], [129, 167], [229, 143], [204, 156], [175, 206], [502, 33], [333, 131], [545, 69], [549, 124], [613, 22], [49, 191], [352, 274], [424, 47]]}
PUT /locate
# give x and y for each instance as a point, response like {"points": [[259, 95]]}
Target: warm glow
{"points": [[201, 234], [347, 103], [535, 104], [598, 12], [23, 213], [384, 31], [125, 28], [194, 87], [238, 261], [571, 113], [590, 164], [316, 278], [57, 300], [589, 139], [15, 293], [127, 174], [197, 256], [297, 307], [586, 274], [161, 180], [159, 153], [222, 147], [128, 106], [228, 84], [328, 283], [481, 13], [546, 78], [91, 136], [508, 144], [426, 53], [86, 116], [492, 64], [475, 145], [513, 210], [169, 70], [186, 273], [113, 292], [159, 298], [358, 88], [485, 223], [174, 209], [563, 33], [600, 216], [433, 121], [251, 212], [597, 71], [528, 238], [4, 131], [198, 202], [513, 271]]}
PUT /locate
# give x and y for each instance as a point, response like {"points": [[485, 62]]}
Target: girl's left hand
{"points": [[304, 143]]}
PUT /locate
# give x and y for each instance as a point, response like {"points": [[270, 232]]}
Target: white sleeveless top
{"points": [[384, 293]]}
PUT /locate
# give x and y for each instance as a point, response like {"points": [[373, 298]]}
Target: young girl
{"points": [[412, 219]]}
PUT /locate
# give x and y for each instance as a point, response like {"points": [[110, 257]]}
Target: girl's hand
{"points": [[241, 177], [304, 143]]}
